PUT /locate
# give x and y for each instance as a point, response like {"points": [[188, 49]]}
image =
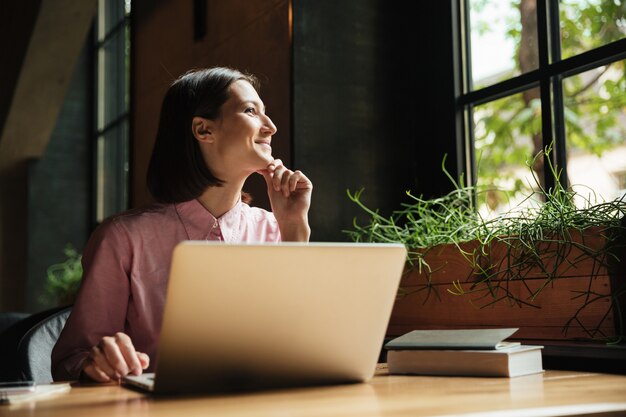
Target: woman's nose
{"points": [[269, 126]]}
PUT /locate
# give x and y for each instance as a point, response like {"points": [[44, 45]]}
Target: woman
{"points": [[213, 134]]}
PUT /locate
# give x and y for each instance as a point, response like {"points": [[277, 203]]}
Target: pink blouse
{"points": [[126, 264]]}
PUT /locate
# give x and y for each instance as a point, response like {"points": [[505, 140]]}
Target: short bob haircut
{"points": [[177, 171]]}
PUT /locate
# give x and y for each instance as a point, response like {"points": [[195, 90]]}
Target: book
{"points": [[39, 391], [480, 352], [507, 362], [454, 339]]}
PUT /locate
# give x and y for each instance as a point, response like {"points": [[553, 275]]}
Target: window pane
{"points": [[112, 172], [588, 24], [507, 135], [503, 40], [595, 123], [110, 13], [112, 79]]}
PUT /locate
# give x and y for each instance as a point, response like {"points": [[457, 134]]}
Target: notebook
{"points": [[250, 317]]}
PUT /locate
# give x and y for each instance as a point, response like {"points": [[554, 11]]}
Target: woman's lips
{"points": [[266, 143]]}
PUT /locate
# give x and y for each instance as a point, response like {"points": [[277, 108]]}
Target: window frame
{"points": [[120, 27], [549, 76]]}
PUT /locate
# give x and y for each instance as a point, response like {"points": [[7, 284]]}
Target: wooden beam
{"points": [[55, 44]]}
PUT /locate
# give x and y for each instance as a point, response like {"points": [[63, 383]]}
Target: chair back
{"points": [[35, 347]]}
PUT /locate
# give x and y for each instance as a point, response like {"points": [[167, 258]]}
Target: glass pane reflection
{"points": [[588, 24], [112, 172], [595, 124], [503, 40], [507, 135]]}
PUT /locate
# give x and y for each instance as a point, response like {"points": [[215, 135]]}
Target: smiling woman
{"points": [[213, 134], [239, 140]]}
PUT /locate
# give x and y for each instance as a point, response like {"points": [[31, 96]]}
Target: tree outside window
{"points": [[584, 75]]}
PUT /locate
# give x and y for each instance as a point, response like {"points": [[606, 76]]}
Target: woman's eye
{"points": [[250, 110]]}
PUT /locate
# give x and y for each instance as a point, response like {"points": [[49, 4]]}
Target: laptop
{"points": [[247, 317]]}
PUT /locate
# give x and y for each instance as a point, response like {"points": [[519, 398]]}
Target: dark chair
{"points": [[10, 339], [35, 347], [12, 328], [9, 318]]}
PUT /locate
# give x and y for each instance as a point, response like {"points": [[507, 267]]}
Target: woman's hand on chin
{"points": [[290, 195]]}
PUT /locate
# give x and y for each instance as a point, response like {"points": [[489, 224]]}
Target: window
{"points": [[538, 73], [112, 46]]}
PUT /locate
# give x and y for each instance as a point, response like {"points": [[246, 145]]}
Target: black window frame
{"points": [[549, 76], [122, 196]]}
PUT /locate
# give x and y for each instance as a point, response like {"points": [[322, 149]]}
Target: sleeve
{"points": [[274, 235], [102, 301], [271, 230]]}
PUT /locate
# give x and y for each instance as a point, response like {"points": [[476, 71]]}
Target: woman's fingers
{"points": [[129, 360], [95, 373], [115, 357], [282, 179], [298, 178], [143, 359], [98, 367], [113, 350], [283, 185], [277, 170]]}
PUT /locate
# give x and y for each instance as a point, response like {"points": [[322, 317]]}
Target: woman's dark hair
{"points": [[177, 171]]}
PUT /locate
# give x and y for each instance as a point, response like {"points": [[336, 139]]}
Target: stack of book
{"points": [[466, 352]]}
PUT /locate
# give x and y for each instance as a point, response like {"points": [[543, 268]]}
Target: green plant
{"points": [[551, 236], [63, 279]]}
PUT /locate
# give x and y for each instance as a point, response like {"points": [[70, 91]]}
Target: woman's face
{"points": [[243, 132]]}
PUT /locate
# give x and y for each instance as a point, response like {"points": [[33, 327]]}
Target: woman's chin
{"points": [[261, 163], [267, 159]]}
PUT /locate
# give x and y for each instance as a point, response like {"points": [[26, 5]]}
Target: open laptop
{"points": [[250, 317]]}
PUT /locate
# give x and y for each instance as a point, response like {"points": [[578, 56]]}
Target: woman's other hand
{"points": [[290, 195], [113, 358]]}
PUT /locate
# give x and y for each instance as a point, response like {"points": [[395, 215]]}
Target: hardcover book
{"points": [[454, 339], [481, 352]]}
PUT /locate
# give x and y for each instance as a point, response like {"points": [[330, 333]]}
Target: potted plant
{"points": [[551, 269]]}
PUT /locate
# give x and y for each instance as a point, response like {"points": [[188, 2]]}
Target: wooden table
{"points": [[552, 393]]}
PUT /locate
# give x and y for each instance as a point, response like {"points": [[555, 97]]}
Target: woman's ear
{"points": [[202, 129]]}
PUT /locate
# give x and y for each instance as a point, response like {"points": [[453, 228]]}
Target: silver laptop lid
{"points": [[273, 315]]}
